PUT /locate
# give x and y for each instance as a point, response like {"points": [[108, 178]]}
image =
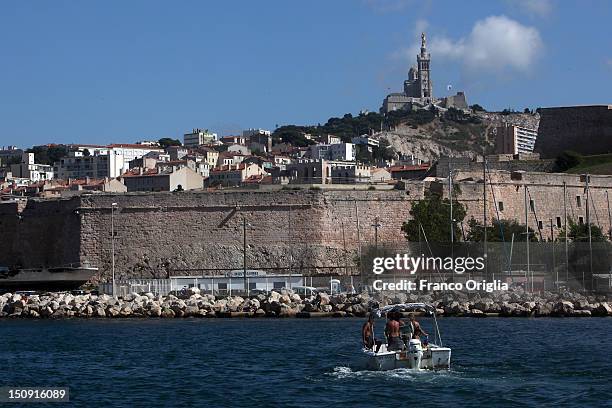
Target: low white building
{"points": [[182, 179], [198, 137], [339, 151], [117, 161], [30, 170], [101, 164], [227, 283], [365, 140]]}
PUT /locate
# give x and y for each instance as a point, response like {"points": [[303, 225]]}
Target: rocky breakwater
{"points": [[288, 304]]}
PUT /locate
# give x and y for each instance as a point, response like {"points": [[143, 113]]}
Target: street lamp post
{"points": [[376, 225], [113, 206]]}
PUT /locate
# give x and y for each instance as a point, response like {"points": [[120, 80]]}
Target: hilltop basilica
{"points": [[418, 89]]}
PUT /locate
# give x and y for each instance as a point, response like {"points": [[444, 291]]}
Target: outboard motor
{"points": [[415, 353]]}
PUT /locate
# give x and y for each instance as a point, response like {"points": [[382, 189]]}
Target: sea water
{"points": [[496, 362]]}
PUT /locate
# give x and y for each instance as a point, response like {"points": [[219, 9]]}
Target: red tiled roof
{"points": [[229, 168], [134, 146], [417, 167], [136, 173]]}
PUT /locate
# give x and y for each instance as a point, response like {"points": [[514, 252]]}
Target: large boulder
{"points": [[580, 313], [192, 311], [250, 305], [582, 304], [309, 307], [167, 312], [563, 308], [543, 309], [126, 310], [602, 309], [338, 299], [274, 297], [113, 311]]}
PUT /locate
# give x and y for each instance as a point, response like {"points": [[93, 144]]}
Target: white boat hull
{"points": [[431, 358]]}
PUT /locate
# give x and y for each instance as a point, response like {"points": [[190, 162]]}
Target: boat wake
{"points": [[404, 374]]}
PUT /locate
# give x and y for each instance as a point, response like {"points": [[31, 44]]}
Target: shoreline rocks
{"points": [[286, 303]]}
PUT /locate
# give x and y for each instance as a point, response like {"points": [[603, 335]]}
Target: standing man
{"points": [[417, 330], [367, 334], [392, 331]]}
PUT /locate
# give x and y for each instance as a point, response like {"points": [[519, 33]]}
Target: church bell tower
{"points": [[423, 60]]}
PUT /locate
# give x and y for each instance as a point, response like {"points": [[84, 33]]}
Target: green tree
{"points": [[433, 214], [580, 232], [167, 142], [500, 231], [48, 154], [294, 135], [477, 108]]}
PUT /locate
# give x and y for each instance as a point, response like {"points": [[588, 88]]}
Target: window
{"points": [[580, 220], [279, 285], [540, 225], [222, 286], [252, 285], [558, 222], [532, 205], [500, 205], [578, 201]]}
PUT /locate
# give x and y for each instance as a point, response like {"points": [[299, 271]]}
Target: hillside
{"points": [[447, 136], [426, 134]]}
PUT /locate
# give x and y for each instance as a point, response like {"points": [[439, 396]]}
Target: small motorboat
{"points": [[415, 354]]}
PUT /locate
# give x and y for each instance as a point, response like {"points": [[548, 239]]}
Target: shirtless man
{"points": [[367, 334], [392, 331], [417, 328]]}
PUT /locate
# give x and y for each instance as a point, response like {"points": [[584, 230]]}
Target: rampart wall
{"points": [[157, 234]]}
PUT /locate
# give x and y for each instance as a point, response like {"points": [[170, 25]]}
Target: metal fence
{"points": [[535, 265], [220, 285]]}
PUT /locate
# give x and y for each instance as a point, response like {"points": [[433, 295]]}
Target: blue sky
{"points": [[121, 71]]}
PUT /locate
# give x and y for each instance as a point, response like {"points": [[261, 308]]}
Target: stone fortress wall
{"points": [[546, 190], [157, 234], [584, 129]]}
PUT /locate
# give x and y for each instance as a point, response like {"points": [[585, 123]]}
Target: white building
{"points": [[28, 169], [101, 161], [198, 137], [227, 283], [330, 139], [513, 139], [339, 151], [366, 140], [99, 165], [251, 132]]}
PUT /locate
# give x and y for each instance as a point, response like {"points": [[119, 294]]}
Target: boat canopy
{"points": [[405, 307]]}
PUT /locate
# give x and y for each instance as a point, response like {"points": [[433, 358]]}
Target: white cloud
{"points": [[496, 44], [536, 8], [420, 26]]}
